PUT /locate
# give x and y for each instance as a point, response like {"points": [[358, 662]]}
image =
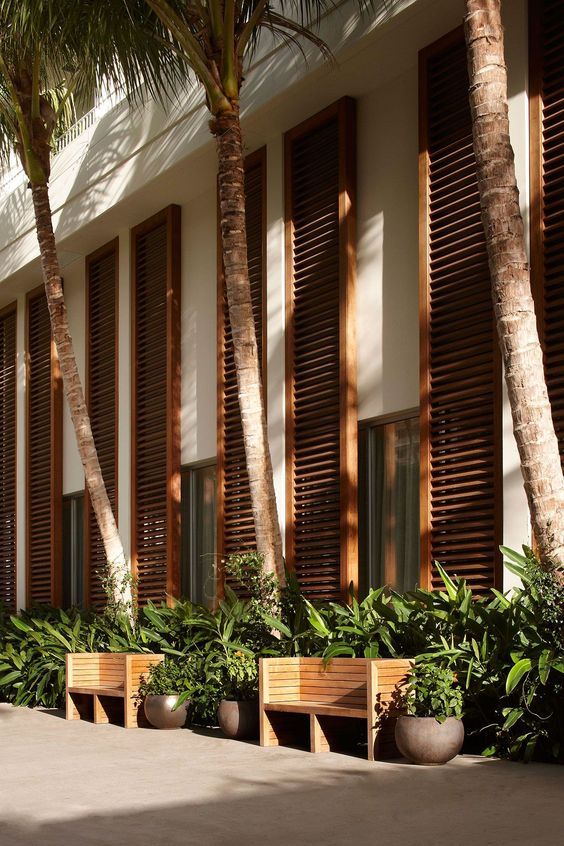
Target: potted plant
{"points": [[432, 732], [165, 694], [237, 713]]}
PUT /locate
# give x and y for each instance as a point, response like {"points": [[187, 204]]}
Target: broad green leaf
{"points": [[516, 674]]}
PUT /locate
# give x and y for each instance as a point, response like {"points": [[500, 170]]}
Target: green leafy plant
{"points": [[168, 678], [433, 692], [240, 676]]}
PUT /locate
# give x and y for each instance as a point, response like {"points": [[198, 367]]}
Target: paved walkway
{"points": [[75, 783]]}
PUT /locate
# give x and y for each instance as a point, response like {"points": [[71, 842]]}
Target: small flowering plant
{"points": [[433, 692]]}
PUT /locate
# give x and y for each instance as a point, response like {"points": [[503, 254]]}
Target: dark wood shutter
{"points": [[44, 457], [547, 193], [236, 531], [155, 511], [102, 333], [8, 563], [321, 413], [461, 470]]}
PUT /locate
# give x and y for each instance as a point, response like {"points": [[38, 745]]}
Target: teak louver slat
{"points": [[235, 524], [102, 333], [155, 509], [546, 34], [44, 457], [8, 563], [461, 471], [321, 413]]}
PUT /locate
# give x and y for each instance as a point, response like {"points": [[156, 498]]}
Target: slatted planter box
{"points": [[103, 686], [333, 705]]}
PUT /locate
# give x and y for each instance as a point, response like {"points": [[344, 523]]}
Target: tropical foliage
{"points": [[507, 651]]}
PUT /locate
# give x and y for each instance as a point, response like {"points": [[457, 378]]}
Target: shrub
{"points": [[433, 692]]}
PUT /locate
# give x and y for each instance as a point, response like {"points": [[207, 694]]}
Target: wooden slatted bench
{"points": [[103, 686], [361, 694]]}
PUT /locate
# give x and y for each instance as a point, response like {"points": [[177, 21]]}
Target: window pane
{"points": [[199, 534], [389, 505], [73, 546]]}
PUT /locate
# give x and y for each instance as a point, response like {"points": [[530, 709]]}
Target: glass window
{"points": [[73, 550], [199, 533], [389, 504]]}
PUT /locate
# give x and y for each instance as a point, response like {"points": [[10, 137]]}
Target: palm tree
{"points": [[51, 52], [215, 39], [511, 287]]}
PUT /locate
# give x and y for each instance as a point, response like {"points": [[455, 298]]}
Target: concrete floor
{"points": [[76, 783]]}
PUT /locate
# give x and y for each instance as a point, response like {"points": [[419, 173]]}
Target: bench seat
{"points": [[322, 708], [98, 690], [335, 695]]}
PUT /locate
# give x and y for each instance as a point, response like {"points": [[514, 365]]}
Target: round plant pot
{"points": [[422, 740], [158, 710], [238, 720]]}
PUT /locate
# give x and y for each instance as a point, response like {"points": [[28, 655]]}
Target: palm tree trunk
{"points": [[118, 568], [511, 288], [231, 177]]}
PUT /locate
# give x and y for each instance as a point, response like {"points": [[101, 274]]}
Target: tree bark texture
{"points": [[231, 178], [118, 568], [511, 287]]}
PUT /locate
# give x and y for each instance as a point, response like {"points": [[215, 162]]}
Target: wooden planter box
{"points": [[332, 705], [102, 686]]}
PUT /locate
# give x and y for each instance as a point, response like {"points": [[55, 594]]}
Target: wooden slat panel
{"points": [[44, 457], [461, 473], [546, 48], [235, 525], [321, 416], [8, 563], [156, 406], [101, 398]]}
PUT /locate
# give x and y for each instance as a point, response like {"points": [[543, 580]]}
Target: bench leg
{"points": [[100, 713], [71, 711], [372, 740], [267, 734], [318, 738]]}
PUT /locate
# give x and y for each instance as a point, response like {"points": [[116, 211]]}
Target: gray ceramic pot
{"points": [[158, 710], [422, 740], [238, 720]]}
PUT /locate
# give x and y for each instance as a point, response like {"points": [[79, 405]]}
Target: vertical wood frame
{"points": [[171, 217], [111, 248], [56, 453], [448, 41], [253, 160], [9, 311], [546, 87], [536, 203], [344, 111]]}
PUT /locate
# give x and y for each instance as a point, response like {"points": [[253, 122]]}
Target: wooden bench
{"points": [[102, 686], [344, 698]]}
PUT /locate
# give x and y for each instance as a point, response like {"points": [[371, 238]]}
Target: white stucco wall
{"points": [[130, 166]]}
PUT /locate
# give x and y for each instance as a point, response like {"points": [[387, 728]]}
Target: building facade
{"points": [[389, 427]]}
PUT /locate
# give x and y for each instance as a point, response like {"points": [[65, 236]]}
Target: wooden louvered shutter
{"points": [[44, 457], [236, 531], [155, 510], [8, 564], [547, 193], [321, 412], [102, 334], [461, 469]]}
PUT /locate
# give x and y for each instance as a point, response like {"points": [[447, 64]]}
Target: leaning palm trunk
{"points": [[231, 178], [118, 576], [511, 289]]}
